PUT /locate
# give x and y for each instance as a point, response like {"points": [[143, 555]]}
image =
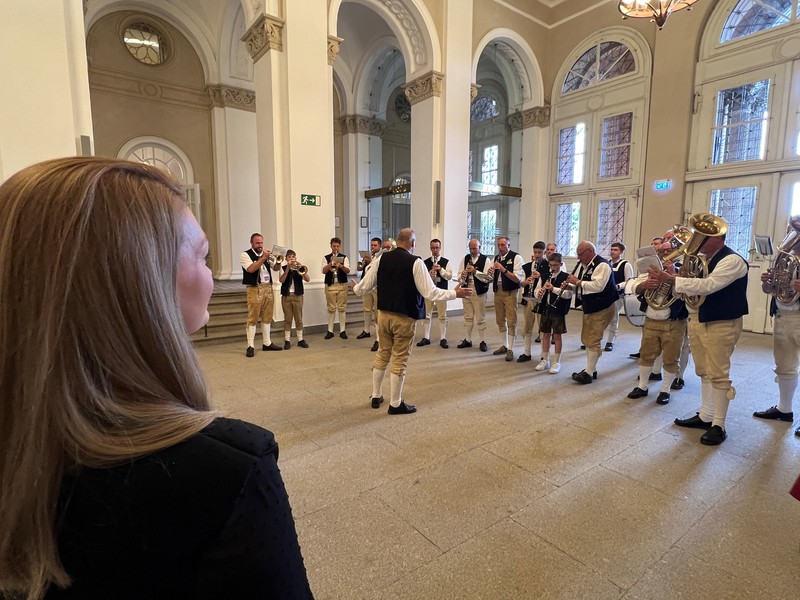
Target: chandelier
{"points": [[655, 10]]}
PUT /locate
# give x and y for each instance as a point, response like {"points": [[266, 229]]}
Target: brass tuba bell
{"points": [[787, 265], [662, 296], [704, 226]]}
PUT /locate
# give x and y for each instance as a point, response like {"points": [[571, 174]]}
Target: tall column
{"points": [[294, 125], [233, 121], [48, 110], [529, 146]]}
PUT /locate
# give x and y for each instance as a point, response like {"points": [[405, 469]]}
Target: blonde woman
{"points": [[117, 480]]}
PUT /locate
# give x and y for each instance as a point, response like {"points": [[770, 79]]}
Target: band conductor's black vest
{"points": [[397, 291], [442, 283], [593, 303], [728, 303]]}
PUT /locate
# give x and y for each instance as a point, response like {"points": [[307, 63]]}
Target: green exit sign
{"points": [[310, 200]]}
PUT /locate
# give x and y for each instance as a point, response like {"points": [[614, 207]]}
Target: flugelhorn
{"points": [[787, 265], [275, 259]]}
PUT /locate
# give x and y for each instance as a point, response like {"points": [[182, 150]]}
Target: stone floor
{"points": [[508, 483]]}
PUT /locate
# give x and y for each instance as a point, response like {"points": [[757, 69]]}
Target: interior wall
{"points": [[131, 99]]}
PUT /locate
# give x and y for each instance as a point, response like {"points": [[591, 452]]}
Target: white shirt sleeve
{"points": [[728, 270], [425, 284], [246, 260], [370, 279], [446, 273], [598, 281]]}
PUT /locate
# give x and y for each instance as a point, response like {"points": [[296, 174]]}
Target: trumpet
{"points": [[275, 259], [296, 266]]}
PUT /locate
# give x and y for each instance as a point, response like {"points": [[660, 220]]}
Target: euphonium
{"points": [[704, 226], [787, 265], [662, 297]]}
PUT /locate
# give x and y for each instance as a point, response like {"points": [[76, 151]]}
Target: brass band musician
{"points": [[440, 272], [371, 298], [292, 278], [335, 268], [473, 274]]}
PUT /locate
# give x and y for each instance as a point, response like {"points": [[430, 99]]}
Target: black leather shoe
{"points": [[583, 346], [635, 355], [423, 342], [637, 392], [609, 347], [483, 347], [362, 335], [583, 377], [271, 348], [343, 335], [773, 413], [403, 409], [797, 432], [329, 335], [287, 345], [714, 436], [655, 377], [374, 347], [663, 398], [464, 344], [443, 344], [376, 402], [524, 358], [250, 352], [500, 350], [302, 344], [538, 340], [695, 422], [677, 384]]}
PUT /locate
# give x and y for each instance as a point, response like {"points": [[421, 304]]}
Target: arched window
{"points": [[484, 108], [752, 16], [598, 64]]}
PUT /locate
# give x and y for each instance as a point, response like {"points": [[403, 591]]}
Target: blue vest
{"points": [[593, 303], [397, 290], [728, 303]]}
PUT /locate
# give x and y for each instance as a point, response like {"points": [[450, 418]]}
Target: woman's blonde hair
{"points": [[95, 364]]}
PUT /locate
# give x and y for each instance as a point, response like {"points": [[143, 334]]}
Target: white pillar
{"points": [[47, 110], [529, 171]]}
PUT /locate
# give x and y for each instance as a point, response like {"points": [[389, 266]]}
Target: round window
{"points": [[145, 43]]}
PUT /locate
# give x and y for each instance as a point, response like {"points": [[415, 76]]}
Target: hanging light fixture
{"points": [[655, 10]]}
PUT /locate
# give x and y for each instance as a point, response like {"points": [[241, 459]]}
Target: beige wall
{"points": [[131, 99]]}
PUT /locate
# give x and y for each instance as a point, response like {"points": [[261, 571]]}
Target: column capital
{"points": [[473, 90], [334, 43], [265, 34], [226, 96], [362, 124], [538, 116], [424, 87]]}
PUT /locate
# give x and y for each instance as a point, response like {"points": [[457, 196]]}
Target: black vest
{"points": [[677, 311], [442, 283], [551, 303], [508, 263], [593, 303], [480, 287], [728, 303], [292, 277], [254, 278], [619, 273], [341, 276], [397, 290]]}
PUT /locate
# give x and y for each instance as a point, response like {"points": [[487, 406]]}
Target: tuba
{"points": [[662, 297], [787, 265], [704, 226]]}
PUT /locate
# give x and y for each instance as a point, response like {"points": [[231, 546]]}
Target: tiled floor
{"points": [[509, 483]]}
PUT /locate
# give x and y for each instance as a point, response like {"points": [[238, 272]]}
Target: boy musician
{"points": [[555, 296]]}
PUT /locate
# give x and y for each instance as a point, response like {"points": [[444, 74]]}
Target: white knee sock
{"points": [[377, 382], [265, 334], [644, 377], [706, 402], [342, 321], [442, 330], [251, 336], [528, 340], [469, 332], [396, 384], [557, 357], [721, 403], [786, 389], [591, 361], [299, 335], [367, 321], [331, 317], [658, 363], [667, 381], [287, 335]]}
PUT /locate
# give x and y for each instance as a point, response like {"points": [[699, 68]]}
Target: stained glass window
{"points": [[483, 108], [740, 131], [600, 63], [737, 206], [571, 154], [145, 43], [610, 222], [751, 16], [615, 154], [568, 220]]}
